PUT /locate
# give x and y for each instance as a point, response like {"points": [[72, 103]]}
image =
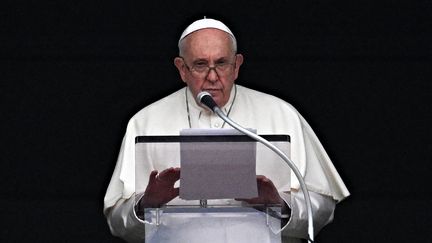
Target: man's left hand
{"points": [[267, 193]]}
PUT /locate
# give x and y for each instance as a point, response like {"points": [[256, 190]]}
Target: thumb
{"points": [[152, 177]]}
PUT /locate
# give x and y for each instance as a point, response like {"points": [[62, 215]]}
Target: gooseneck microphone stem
{"points": [[206, 99]]}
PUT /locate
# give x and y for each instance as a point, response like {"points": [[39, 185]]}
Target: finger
{"points": [[170, 175], [166, 172], [245, 199], [265, 182], [173, 172], [173, 193], [242, 199], [255, 200], [176, 191], [152, 176], [176, 174]]}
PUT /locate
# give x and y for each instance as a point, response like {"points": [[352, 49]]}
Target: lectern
{"points": [[219, 219]]}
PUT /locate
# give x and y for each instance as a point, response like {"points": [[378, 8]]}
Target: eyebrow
{"points": [[199, 60], [205, 60]]}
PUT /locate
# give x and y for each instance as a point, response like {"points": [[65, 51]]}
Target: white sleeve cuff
{"points": [[322, 208], [124, 222]]}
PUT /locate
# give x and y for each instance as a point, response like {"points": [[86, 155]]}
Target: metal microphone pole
{"points": [[256, 137]]}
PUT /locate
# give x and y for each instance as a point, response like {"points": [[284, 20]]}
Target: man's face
{"points": [[209, 47]]}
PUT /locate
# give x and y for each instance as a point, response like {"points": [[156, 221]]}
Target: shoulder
{"points": [[160, 115], [261, 100], [164, 105]]}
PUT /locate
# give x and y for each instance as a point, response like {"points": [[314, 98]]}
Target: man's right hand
{"points": [[160, 189]]}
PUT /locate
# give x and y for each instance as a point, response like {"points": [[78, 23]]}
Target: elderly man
{"points": [[208, 61]]}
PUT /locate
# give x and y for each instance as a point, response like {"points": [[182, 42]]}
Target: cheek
{"points": [[228, 83], [195, 86]]}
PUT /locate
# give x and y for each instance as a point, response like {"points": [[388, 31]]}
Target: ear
{"points": [[238, 63], [179, 63]]}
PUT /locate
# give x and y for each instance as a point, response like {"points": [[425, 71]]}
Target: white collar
{"points": [[195, 111]]}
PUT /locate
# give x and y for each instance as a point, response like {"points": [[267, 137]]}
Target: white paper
{"points": [[217, 170]]}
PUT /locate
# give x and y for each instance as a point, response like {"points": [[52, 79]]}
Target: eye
{"points": [[221, 62], [200, 64], [222, 65]]}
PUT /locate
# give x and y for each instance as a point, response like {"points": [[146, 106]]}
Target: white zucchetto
{"points": [[204, 24]]}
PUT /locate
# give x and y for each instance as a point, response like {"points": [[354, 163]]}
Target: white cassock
{"points": [[252, 109]]}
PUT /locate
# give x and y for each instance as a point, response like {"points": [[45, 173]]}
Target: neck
{"points": [[194, 109]]}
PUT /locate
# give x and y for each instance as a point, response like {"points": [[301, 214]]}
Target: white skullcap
{"points": [[204, 24]]}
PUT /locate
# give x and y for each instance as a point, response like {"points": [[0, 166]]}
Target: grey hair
{"points": [[182, 46]]}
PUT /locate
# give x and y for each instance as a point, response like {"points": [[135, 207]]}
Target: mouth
{"points": [[212, 91]]}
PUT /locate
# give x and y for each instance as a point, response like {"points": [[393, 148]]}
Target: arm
{"points": [[123, 221], [293, 203], [322, 208]]}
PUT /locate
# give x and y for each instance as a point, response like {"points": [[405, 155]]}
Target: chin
{"points": [[219, 103], [218, 97]]}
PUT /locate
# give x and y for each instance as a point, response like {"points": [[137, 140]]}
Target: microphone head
{"points": [[206, 99], [201, 94]]}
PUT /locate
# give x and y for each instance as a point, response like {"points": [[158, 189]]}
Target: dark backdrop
{"points": [[73, 73]]}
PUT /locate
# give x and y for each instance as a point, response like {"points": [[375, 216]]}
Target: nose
{"points": [[212, 75]]}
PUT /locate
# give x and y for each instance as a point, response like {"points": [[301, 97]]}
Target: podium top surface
{"points": [[208, 138]]}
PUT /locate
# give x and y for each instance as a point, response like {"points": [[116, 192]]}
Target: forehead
{"points": [[207, 43]]}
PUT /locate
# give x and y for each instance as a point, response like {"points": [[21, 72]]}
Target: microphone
{"points": [[206, 99]]}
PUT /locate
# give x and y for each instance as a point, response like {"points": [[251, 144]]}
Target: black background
{"points": [[73, 72]]}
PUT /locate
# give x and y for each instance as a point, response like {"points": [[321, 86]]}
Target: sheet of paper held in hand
{"points": [[217, 170]]}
